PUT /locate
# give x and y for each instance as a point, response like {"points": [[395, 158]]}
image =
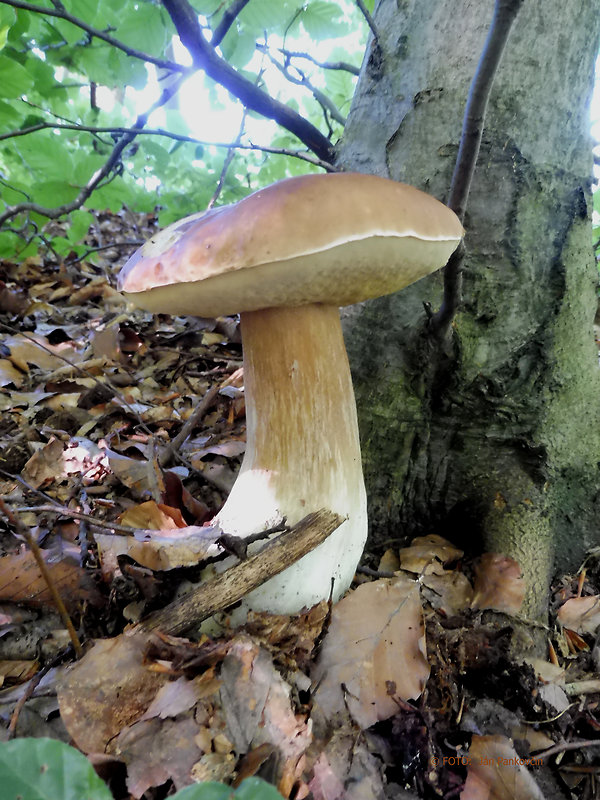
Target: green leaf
{"points": [[143, 27], [46, 153], [46, 769], [55, 193], [10, 243], [9, 117], [323, 20], [14, 78], [238, 47], [80, 223]]}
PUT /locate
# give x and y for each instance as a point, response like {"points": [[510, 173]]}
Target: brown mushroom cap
{"points": [[336, 239]]}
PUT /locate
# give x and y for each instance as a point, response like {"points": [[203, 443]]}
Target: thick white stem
{"points": [[302, 451]]}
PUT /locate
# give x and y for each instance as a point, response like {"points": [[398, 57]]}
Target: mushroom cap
{"points": [[329, 238]]}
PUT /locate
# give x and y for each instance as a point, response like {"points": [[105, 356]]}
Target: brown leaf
{"points": [[428, 554], [162, 550], [373, 651], [46, 465], [495, 772], [21, 581], [499, 584], [258, 709], [581, 614], [106, 690]]}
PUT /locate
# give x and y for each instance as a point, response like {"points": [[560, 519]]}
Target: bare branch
{"points": [[303, 80], [370, 22], [505, 13], [100, 174], [344, 66], [206, 58], [98, 34], [227, 20], [178, 137], [227, 163]]}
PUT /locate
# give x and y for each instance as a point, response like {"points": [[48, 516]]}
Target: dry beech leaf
{"points": [[428, 554], [162, 550], [10, 374], [109, 685], [495, 772], [37, 350], [258, 709], [450, 592], [499, 584], [152, 516], [375, 648], [21, 581], [17, 671], [581, 614], [389, 561], [46, 465]]}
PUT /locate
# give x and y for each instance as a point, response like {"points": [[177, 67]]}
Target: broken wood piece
{"points": [[238, 581]]}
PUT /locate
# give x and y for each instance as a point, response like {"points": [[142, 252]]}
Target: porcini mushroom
{"points": [[285, 258]]}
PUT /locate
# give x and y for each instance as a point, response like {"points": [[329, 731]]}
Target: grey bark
{"points": [[498, 448]]}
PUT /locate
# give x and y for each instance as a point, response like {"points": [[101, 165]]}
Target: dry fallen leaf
{"points": [[373, 652], [161, 550], [110, 686], [495, 772], [46, 465], [581, 614], [428, 554], [450, 592], [258, 709], [499, 584], [21, 581]]}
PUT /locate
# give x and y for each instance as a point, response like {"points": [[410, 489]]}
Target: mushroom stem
{"points": [[302, 450]]}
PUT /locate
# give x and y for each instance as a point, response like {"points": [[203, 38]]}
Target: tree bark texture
{"points": [[498, 445]]}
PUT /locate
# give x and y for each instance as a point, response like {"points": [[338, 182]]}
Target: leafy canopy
{"points": [[67, 96]]}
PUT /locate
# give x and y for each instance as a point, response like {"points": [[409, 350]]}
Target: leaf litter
{"points": [[405, 688]]}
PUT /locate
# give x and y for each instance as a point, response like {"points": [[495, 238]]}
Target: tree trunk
{"points": [[497, 449]]}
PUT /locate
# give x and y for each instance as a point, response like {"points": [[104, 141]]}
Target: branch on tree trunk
{"points": [[505, 13], [344, 66], [325, 102], [370, 22], [105, 37], [227, 20], [207, 59]]}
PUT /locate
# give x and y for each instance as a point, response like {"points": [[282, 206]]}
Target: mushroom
{"points": [[285, 258]]}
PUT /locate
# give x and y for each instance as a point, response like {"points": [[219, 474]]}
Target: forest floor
{"points": [[326, 704]]}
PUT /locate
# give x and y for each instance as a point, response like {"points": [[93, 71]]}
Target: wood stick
{"points": [[236, 582]]}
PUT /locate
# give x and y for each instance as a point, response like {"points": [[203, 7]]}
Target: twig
{"points": [[564, 746], [25, 534], [30, 689], [100, 174], [343, 66], [303, 80], [227, 20], [178, 137], [235, 583], [65, 511], [207, 59], [227, 163], [365, 12], [199, 412], [505, 13], [113, 246], [98, 34]]}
